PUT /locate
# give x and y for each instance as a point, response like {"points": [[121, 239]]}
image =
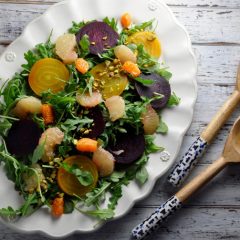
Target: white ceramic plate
{"points": [[178, 55]]}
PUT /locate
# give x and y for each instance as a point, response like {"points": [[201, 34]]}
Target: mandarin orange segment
{"points": [[48, 74], [131, 68], [126, 20], [69, 183], [109, 82], [149, 40], [82, 65]]}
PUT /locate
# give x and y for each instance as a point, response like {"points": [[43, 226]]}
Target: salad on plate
{"points": [[79, 121]]}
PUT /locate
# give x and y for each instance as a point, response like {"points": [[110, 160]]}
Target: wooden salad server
{"points": [[189, 160], [231, 154]]}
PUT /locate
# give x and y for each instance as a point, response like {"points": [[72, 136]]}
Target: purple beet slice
{"points": [[98, 122], [128, 148], [101, 36], [23, 137], [160, 86]]}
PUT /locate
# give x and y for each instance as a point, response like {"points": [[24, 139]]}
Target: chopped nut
{"points": [[151, 38], [104, 38], [86, 132], [107, 63], [115, 61], [111, 68], [111, 74]]}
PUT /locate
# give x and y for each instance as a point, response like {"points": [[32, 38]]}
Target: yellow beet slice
{"points": [[107, 82], [149, 40], [69, 183], [48, 74]]}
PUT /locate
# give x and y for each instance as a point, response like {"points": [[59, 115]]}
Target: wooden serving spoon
{"points": [[189, 160], [231, 154]]}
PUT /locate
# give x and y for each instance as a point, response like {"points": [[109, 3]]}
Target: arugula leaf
{"points": [[84, 45], [141, 27], [12, 166], [61, 101], [9, 213], [77, 26], [142, 175], [93, 198], [38, 152], [116, 176], [103, 214], [164, 73], [162, 128], [84, 177], [144, 81], [173, 100], [5, 125], [111, 22], [145, 61], [68, 206], [42, 50], [12, 90], [116, 194], [151, 147], [107, 55], [76, 123], [31, 205]]}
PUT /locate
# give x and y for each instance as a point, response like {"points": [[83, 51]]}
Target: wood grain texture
{"points": [[14, 18], [214, 27], [184, 3]]}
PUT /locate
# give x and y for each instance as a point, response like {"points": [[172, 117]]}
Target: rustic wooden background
{"points": [[214, 213]]}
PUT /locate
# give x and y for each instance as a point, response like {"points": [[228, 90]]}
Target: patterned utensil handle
{"points": [[154, 221], [188, 161]]}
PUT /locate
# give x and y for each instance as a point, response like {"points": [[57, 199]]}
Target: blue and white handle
{"points": [[159, 216], [188, 161]]}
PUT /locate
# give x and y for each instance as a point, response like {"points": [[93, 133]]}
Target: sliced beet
{"points": [[98, 122], [23, 137], [128, 148], [160, 85], [101, 36]]}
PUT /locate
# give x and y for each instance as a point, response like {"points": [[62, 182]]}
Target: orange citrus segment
{"points": [[69, 183], [149, 40], [107, 82], [48, 74]]}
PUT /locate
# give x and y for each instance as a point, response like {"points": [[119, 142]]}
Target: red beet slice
{"points": [[128, 148], [160, 85], [98, 123], [23, 137], [101, 36]]}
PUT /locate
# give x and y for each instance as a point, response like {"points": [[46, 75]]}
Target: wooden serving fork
{"points": [[231, 154], [189, 160]]}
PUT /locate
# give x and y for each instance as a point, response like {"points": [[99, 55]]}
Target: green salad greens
{"points": [[78, 122]]}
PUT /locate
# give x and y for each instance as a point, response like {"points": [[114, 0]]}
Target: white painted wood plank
{"points": [[222, 191], [188, 224], [14, 18], [185, 3], [204, 3]]}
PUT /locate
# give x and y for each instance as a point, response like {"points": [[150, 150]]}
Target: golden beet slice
{"points": [[149, 40], [69, 183], [109, 80], [48, 74]]}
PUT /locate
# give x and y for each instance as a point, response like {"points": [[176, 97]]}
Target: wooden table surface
{"points": [[214, 213]]}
